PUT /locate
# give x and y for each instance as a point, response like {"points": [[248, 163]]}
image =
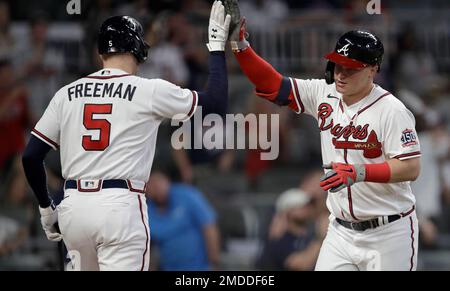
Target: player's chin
{"points": [[341, 88]]}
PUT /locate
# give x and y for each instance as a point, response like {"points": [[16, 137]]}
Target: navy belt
{"points": [[103, 184], [106, 184], [373, 223]]}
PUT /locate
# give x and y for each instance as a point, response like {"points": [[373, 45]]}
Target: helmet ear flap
{"points": [[329, 73]]}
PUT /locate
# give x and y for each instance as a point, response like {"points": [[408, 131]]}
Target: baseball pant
{"points": [[391, 247], [105, 230]]}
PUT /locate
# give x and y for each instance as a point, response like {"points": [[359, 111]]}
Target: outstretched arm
{"points": [[215, 98], [269, 83]]}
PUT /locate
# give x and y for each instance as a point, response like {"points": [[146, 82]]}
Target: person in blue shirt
{"points": [[183, 226]]}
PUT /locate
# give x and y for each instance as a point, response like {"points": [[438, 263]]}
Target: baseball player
{"points": [[370, 151], [105, 127]]}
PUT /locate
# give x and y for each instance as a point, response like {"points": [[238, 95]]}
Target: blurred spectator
{"points": [[188, 34], [292, 242], [254, 165], [98, 12], [9, 235], [189, 162], [356, 13], [14, 115], [6, 40], [16, 213], [311, 185], [166, 60], [412, 62], [138, 9], [39, 65], [429, 187], [264, 14], [183, 226]]}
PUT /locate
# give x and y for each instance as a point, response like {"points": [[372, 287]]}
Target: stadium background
{"points": [[42, 48]]}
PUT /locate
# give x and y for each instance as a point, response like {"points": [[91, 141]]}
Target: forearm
{"points": [[269, 83], [215, 98], [212, 242], [403, 171], [265, 78], [33, 165], [393, 171]]}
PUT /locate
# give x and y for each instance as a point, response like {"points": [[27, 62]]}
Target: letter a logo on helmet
{"points": [[344, 50], [355, 49]]}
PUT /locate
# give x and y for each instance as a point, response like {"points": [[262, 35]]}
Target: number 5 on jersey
{"points": [[102, 125]]}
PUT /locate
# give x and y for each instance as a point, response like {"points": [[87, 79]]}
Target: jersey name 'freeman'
{"points": [[111, 90]]}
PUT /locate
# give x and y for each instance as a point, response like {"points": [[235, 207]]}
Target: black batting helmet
{"points": [[122, 34], [355, 49]]}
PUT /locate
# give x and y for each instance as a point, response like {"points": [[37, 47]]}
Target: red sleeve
{"points": [[266, 79]]}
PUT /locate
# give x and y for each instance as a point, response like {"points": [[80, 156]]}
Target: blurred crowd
{"points": [[243, 213]]}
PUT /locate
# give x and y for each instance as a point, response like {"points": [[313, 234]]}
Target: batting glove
{"points": [[238, 34], [238, 37], [49, 218], [219, 25], [341, 176]]}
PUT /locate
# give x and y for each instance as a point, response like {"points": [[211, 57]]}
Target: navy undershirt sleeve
{"points": [[215, 98], [33, 165]]}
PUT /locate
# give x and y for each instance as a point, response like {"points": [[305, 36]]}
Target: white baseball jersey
{"points": [[106, 124], [376, 129]]}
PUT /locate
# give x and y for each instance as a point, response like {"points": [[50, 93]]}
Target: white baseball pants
{"points": [[105, 230], [391, 247]]}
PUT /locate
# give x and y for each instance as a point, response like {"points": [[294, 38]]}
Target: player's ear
{"points": [[376, 68], [373, 70]]}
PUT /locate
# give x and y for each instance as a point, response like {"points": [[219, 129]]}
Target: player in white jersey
{"points": [[369, 148], [105, 126]]}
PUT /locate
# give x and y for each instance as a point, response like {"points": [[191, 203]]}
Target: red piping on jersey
{"points": [[403, 214], [350, 203], [379, 98], [349, 191], [194, 102], [130, 187], [45, 138], [107, 77], [297, 96], [407, 155], [342, 107], [412, 244], [146, 233]]}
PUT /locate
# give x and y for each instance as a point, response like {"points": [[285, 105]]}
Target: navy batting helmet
{"points": [[355, 49], [122, 34]]}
